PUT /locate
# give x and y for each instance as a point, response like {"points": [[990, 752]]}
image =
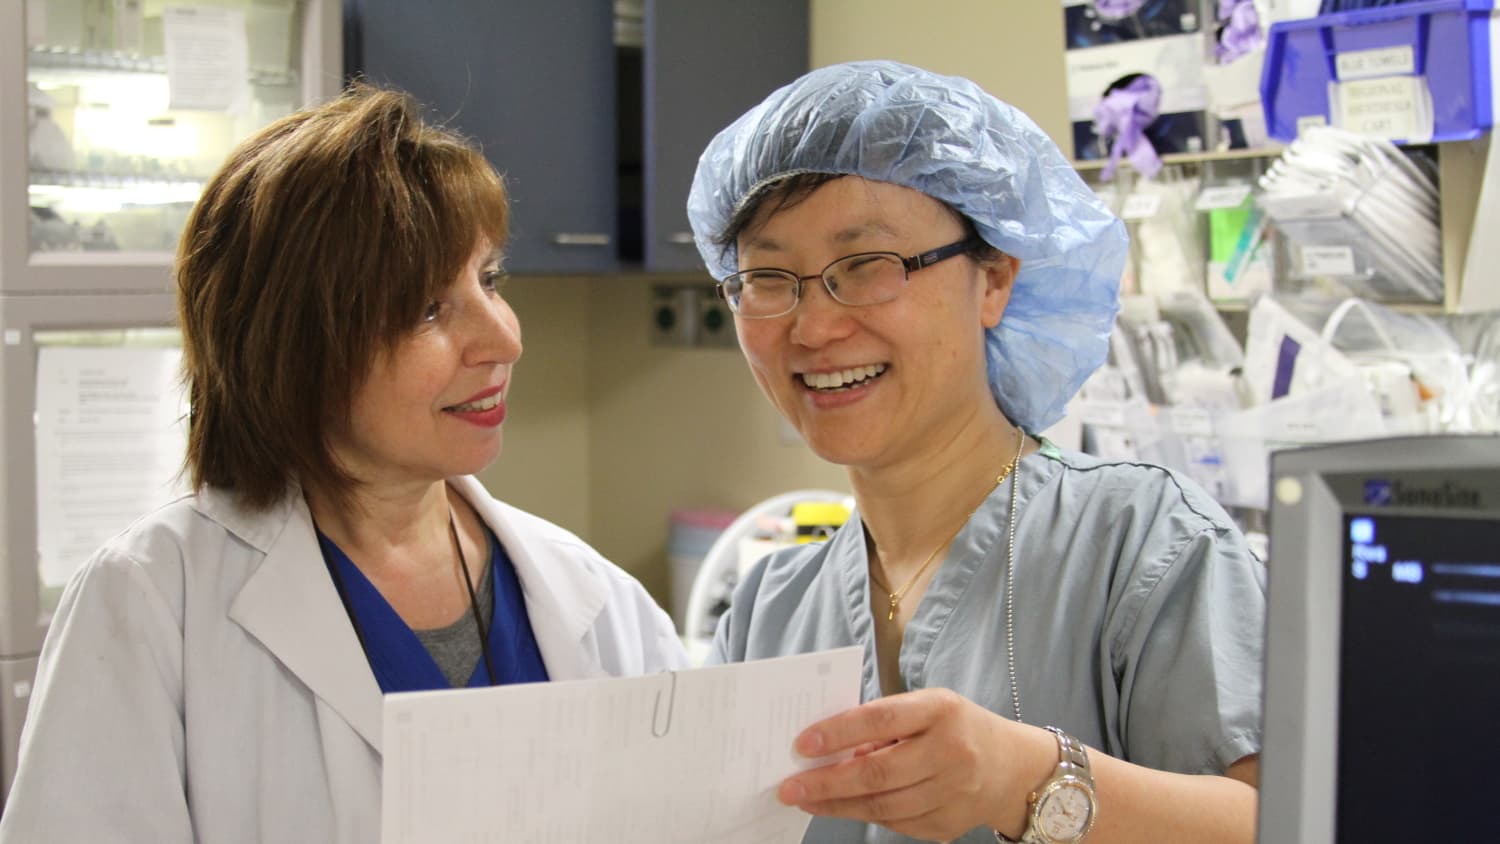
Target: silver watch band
{"points": [[1074, 758], [1072, 761]]}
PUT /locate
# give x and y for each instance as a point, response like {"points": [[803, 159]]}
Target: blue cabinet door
{"points": [[534, 84], [706, 63]]}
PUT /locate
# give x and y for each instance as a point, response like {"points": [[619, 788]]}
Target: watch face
{"points": [[1064, 813]]}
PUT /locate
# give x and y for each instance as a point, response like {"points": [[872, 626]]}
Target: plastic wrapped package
{"points": [[1146, 345], [1484, 379], [1385, 344], [1359, 212], [1168, 255], [1286, 356], [1338, 410], [1202, 328]]}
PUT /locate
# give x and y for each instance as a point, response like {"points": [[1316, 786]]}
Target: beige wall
{"points": [[1012, 48], [673, 427], [544, 463]]}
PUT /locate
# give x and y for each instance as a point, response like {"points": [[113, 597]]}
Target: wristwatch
{"points": [[1062, 809]]}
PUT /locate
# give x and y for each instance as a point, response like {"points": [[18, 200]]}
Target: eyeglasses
{"points": [[866, 278]]}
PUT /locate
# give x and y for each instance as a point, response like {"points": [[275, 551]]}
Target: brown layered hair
{"points": [[314, 250]]}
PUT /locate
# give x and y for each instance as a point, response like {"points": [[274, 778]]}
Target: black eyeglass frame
{"points": [[910, 264]]}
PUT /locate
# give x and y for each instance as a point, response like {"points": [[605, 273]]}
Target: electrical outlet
{"points": [[674, 315], [715, 323]]}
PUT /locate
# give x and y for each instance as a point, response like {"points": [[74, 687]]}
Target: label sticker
{"points": [[1222, 196], [1141, 206], [1107, 413], [1328, 260], [1392, 107], [1368, 64], [1192, 421], [1308, 120]]}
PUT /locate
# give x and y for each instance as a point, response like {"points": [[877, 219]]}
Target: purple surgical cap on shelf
{"points": [[1113, 10], [946, 137]]}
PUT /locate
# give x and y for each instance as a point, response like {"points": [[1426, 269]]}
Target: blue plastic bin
{"points": [[1450, 42]]}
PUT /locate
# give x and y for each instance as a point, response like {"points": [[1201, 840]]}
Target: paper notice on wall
{"points": [[110, 435], [208, 59]]}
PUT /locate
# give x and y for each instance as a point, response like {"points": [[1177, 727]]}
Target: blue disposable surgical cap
{"points": [[947, 138]]}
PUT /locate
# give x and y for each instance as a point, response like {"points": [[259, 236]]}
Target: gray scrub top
{"points": [[1139, 616]]}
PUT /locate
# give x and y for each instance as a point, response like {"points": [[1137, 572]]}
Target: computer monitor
{"points": [[1382, 716]]}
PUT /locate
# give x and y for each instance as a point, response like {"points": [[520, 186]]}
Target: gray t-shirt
{"points": [[456, 648], [1139, 616]]}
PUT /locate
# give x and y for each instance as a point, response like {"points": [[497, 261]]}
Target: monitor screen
{"points": [[1382, 684], [1419, 679]]}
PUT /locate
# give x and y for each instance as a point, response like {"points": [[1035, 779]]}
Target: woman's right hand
{"points": [[929, 764]]}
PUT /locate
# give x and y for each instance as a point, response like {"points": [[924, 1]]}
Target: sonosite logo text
{"points": [[1381, 493]]}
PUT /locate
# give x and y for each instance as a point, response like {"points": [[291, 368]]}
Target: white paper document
{"points": [[208, 58], [110, 435], [685, 756]]}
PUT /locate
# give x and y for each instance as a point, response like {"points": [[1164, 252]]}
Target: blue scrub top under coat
{"points": [[396, 655]]}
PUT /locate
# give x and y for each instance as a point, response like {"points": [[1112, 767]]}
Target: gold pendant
{"points": [[894, 601]]}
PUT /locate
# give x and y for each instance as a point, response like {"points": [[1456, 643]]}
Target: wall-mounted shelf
{"points": [[96, 180], [47, 63], [1192, 157]]}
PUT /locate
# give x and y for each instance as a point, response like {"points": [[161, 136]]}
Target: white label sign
{"points": [[1307, 120], [1368, 64], [21, 689], [1108, 413], [1192, 421], [1328, 260], [1222, 196], [1388, 107], [1141, 206]]}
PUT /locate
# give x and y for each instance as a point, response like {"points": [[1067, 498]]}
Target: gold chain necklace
{"points": [[896, 596]]}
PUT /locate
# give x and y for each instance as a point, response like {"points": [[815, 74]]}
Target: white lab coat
{"points": [[201, 680]]}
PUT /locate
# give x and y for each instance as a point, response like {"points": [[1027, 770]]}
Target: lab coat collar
{"points": [[291, 606], [564, 592]]}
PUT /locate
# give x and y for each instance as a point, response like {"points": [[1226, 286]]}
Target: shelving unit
{"points": [[1462, 169], [52, 63], [1191, 158]]}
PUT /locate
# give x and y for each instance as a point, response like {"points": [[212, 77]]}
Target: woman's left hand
{"points": [[929, 764]]}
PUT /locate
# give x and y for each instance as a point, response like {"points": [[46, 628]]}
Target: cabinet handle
{"points": [[682, 238], [580, 239]]}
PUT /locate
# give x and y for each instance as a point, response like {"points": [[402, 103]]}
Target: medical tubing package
{"points": [[1335, 189], [948, 138]]}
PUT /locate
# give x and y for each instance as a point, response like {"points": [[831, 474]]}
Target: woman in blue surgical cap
{"points": [[1056, 646]]}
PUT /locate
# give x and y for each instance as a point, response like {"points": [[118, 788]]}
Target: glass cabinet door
{"points": [[132, 105]]}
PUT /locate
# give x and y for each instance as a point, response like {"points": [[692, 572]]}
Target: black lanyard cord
{"points": [[479, 624], [463, 564]]}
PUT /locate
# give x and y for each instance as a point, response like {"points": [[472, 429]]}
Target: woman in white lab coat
{"points": [[215, 672]]}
